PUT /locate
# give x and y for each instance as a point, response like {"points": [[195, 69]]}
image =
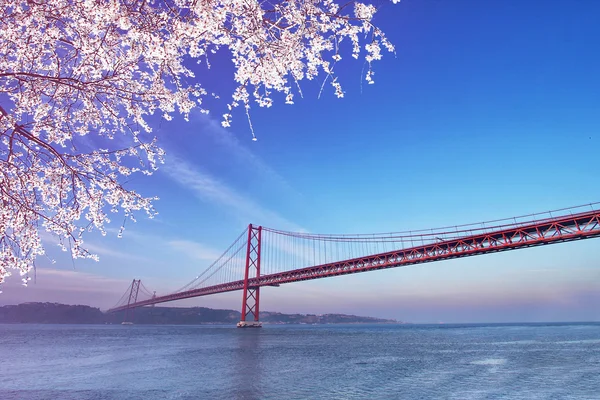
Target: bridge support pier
{"points": [[251, 296]]}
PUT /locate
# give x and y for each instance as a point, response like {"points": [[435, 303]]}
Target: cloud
{"points": [[191, 249], [104, 251], [195, 250], [209, 189], [77, 281], [226, 138], [64, 286], [50, 239]]}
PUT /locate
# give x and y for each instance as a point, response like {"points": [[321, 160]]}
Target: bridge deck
{"points": [[542, 232]]}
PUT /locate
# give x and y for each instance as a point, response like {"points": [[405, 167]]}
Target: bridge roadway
{"points": [[508, 237]]}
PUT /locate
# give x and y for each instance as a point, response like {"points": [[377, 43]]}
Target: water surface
{"points": [[300, 362]]}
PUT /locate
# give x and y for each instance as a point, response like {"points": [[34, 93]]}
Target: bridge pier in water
{"points": [[251, 293]]}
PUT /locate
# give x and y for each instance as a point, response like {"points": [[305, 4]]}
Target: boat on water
{"points": [[126, 323]]}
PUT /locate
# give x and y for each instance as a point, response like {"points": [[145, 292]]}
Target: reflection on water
{"points": [[248, 361], [48, 362]]}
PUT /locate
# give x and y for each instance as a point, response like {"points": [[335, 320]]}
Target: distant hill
{"points": [[54, 313], [51, 313]]}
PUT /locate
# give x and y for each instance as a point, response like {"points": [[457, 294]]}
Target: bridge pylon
{"points": [[251, 296], [133, 294]]}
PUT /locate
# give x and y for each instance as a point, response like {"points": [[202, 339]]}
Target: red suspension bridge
{"points": [[263, 256]]}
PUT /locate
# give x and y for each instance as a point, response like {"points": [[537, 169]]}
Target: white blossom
{"points": [[80, 78]]}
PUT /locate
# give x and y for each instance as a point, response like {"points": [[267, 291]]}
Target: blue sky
{"points": [[489, 110]]}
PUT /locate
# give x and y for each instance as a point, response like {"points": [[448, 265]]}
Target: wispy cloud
{"points": [[77, 281], [135, 235], [209, 189], [192, 249], [105, 251], [100, 250], [64, 280], [65, 286], [226, 138], [195, 250]]}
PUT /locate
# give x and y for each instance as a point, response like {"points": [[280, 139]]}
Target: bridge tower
{"points": [[133, 294], [251, 296]]}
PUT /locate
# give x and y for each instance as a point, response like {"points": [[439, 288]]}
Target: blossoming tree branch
{"points": [[80, 78]]}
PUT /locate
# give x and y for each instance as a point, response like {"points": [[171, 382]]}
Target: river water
{"points": [[300, 362]]}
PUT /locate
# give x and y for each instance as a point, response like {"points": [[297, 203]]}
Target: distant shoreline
{"points": [[56, 313]]}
